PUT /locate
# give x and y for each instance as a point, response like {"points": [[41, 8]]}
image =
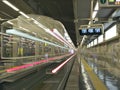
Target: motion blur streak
{"points": [[62, 64]]}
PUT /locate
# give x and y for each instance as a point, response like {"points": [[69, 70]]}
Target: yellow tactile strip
{"points": [[97, 83]]}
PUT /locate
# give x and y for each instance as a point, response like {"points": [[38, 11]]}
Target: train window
{"points": [[100, 39], [112, 32]]}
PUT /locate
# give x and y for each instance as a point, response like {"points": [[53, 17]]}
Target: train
{"points": [[32, 38]]}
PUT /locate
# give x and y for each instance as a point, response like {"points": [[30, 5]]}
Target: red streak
{"points": [[34, 63]]}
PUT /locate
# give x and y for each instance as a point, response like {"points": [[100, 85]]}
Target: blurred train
{"points": [[32, 38]]}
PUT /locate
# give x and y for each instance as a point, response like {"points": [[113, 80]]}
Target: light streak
{"points": [[61, 65], [17, 68]]}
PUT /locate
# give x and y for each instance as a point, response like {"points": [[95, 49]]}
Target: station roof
{"points": [[72, 13]]}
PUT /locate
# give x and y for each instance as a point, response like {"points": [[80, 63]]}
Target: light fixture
{"points": [[15, 8], [40, 25], [25, 29], [10, 5], [34, 33], [89, 23], [96, 7], [22, 13], [94, 14], [10, 22]]}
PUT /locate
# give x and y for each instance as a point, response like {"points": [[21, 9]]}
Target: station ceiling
{"points": [[72, 13]]}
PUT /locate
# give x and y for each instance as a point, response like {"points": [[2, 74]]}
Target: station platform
{"points": [[76, 74], [73, 80]]}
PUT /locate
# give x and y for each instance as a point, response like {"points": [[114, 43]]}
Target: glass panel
{"points": [[100, 39], [112, 32], [95, 42]]}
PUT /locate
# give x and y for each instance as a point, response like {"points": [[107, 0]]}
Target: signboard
{"points": [[95, 29], [109, 3], [102, 1]]}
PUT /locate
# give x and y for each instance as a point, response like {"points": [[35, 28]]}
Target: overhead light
{"points": [[96, 7], [94, 14], [15, 32], [34, 33], [10, 22], [22, 13], [36, 22], [10, 5], [89, 22], [25, 29], [15, 8]]}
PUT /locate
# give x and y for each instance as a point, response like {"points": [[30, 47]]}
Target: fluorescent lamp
{"points": [[25, 29], [36, 22], [22, 13], [89, 22], [96, 7], [10, 5], [94, 14], [15, 32], [39, 24], [42, 26], [10, 22], [34, 33]]}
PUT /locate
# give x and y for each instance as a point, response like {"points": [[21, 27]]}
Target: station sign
{"points": [[102, 1], [95, 29], [109, 3]]}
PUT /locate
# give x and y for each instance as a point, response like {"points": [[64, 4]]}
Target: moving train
{"points": [[31, 38]]}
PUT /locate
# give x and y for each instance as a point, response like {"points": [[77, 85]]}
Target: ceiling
{"points": [[72, 13]]}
